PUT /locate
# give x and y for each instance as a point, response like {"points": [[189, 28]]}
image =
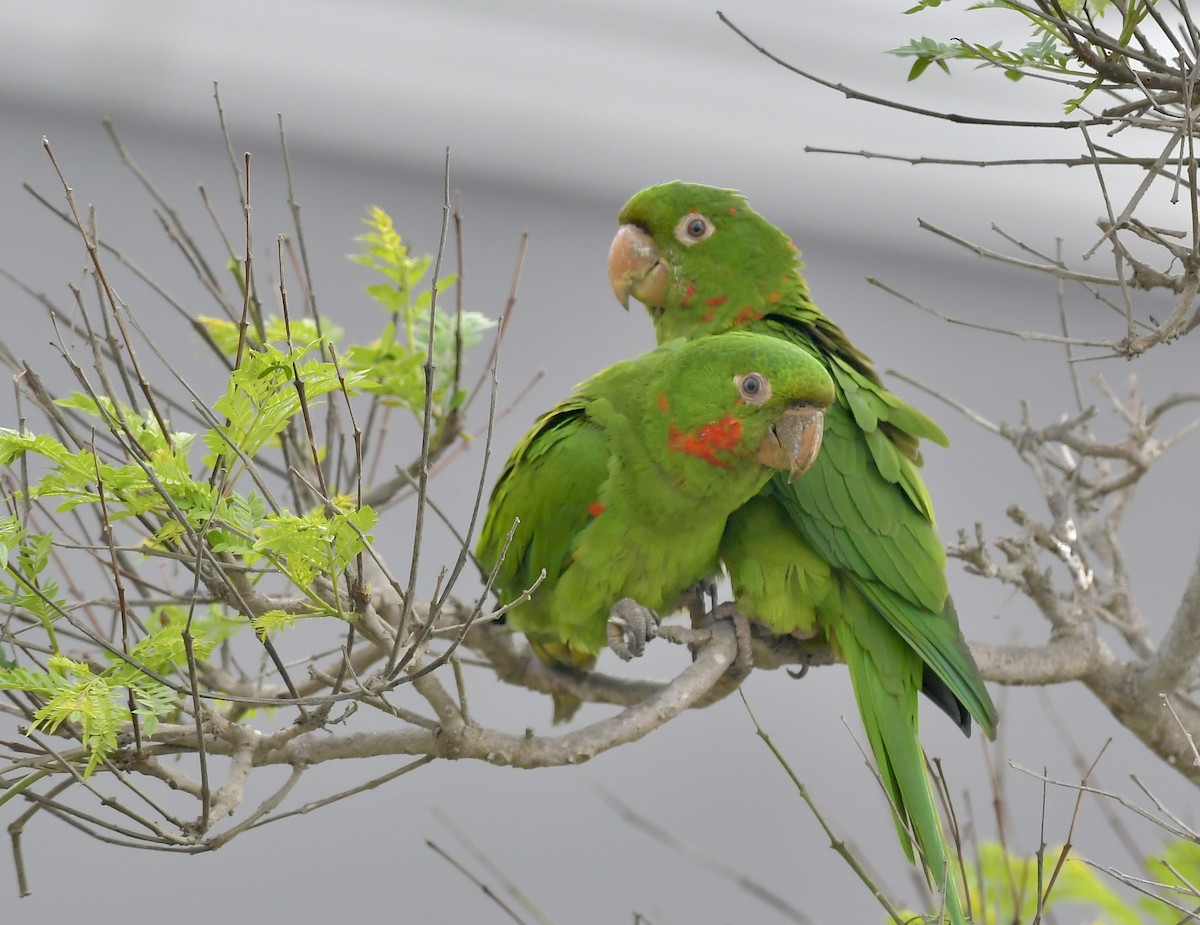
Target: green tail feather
{"points": [[886, 675], [561, 653], [940, 645]]}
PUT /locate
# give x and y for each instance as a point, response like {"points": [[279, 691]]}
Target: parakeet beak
{"points": [[636, 268], [794, 440]]}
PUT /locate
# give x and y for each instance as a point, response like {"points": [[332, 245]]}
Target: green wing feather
{"points": [[864, 508], [562, 461], [863, 522]]}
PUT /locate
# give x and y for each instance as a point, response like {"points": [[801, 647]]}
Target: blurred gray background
{"points": [[555, 113]]}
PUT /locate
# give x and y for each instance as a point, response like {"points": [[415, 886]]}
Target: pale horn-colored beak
{"points": [[636, 268], [794, 440]]}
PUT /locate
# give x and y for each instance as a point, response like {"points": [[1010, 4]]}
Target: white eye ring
{"points": [[692, 228], [753, 387]]}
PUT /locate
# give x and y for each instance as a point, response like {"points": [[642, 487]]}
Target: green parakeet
{"points": [[623, 490], [850, 551]]}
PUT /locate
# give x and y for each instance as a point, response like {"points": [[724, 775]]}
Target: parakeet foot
{"points": [[743, 662], [630, 627], [814, 650], [697, 598]]}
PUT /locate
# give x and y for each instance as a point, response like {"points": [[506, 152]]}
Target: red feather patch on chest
{"points": [[707, 440]]}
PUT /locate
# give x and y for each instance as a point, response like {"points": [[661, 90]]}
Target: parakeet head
{"points": [[700, 259], [731, 401]]}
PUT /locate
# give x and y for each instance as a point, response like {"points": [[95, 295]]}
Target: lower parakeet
{"points": [[623, 490]]}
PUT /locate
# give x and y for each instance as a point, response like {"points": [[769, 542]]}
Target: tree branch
{"points": [[1175, 659], [1067, 657]]}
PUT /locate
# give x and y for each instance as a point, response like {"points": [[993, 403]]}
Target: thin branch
{"points": [[715, 864], [852, 94], [1176, 657]]}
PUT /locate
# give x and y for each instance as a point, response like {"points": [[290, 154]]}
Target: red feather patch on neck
{"points": [[747, 314], [707, 440]]}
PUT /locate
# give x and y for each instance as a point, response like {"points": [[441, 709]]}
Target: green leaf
{"points": [[260, 397], [316, 543], [393, 364], [273, 621], [96, 702], [224, 333], [1080, 883], [86, 700], [1177, 869], [919, 66], [14, 445]]}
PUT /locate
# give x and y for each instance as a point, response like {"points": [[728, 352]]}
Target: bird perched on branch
{"points": [[621, 492], [849, 552]]}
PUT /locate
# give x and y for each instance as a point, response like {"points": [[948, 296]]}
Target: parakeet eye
{"points": [[753, 387], [693, 227]]}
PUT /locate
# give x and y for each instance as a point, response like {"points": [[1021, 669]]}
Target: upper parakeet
{"points": [[623, 490], [850, 551]]}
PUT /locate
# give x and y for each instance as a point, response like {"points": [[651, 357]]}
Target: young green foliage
{"points": [[95, 701], [396, 359], [302, 547], [1004, 887], [226, 334], [1043, 52], [259, 399], [1065, 44], [1177, 870], [24, 586], [153, 490], [194, 511], [1008, 884]]}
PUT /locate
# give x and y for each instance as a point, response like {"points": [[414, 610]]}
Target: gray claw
{"points": [[630, 627], [696, 600]]}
